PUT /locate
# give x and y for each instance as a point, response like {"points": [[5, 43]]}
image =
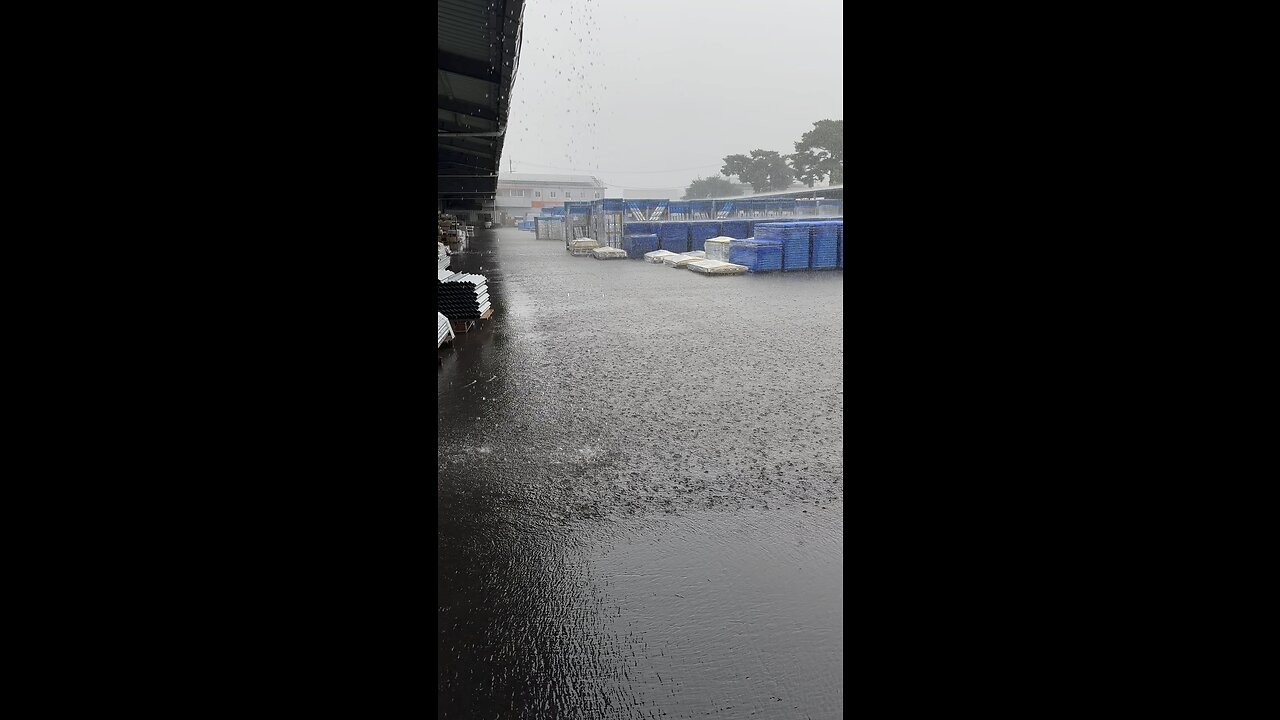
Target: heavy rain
{"points": [[641, 404]]}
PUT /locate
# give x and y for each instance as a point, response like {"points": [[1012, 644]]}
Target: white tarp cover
{"points": [[680, 260], [716, 267], [718, 248], [609, 253], [657, 255]]}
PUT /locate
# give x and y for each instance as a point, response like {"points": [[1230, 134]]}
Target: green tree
{"points": [[820, 154], [712, 187], [765, 170]]}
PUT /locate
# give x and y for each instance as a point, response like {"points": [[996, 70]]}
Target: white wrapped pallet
{"points": [[718, 248], [680, 260], [609, 253], [583, 246], [657, 255], [716, 267]]}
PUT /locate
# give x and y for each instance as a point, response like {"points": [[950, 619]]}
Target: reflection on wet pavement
{"points": [[640, 492]]}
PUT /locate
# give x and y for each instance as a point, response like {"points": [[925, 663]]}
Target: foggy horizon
{"points": [[648, 97]]}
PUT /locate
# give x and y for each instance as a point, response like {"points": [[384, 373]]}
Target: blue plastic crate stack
{"points": [[840, 246], [795, 242], [823, 236], [758, 255], [646, 210], [736, 229], [637, 245], [700, 231], [640, 228], [674, 236]]}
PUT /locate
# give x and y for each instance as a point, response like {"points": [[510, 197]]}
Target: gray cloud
{"points": [[651, 94]]}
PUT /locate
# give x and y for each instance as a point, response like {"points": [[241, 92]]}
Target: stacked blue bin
{"points": [[736, 229], [756, 255], [840, 245], [637, 245], [674, 236], [795, 242], [640, 228], [700, 231], [823, 236]]}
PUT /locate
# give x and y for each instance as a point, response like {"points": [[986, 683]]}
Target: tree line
{"points": [[819, 156]]}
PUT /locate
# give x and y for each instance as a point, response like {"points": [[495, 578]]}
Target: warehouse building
{"points": [[522, 193]]}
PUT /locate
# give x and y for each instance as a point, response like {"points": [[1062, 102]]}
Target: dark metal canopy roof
{"points": [[477, 52]]}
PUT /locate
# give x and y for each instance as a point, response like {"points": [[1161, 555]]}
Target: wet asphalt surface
{"points": [[641, 495]]}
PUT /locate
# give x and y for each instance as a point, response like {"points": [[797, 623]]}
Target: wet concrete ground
{"points": [[641, 499]]}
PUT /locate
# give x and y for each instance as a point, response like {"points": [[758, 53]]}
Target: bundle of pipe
{"points": [[461, 296]]}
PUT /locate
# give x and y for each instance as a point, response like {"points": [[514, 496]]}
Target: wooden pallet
{"points": [[462, 326]]}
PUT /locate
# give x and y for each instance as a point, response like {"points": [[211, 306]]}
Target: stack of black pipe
{"points": [[462, 296]]}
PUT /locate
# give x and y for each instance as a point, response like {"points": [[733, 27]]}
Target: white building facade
{"points": [[520, 194]]}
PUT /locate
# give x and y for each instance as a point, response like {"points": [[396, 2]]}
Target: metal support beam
{"points": [[487, 185], [470, 67], [498, 133], [452, 105]]}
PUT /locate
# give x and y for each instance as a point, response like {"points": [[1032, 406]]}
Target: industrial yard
{"points": [[640, 301], [640, 491]]}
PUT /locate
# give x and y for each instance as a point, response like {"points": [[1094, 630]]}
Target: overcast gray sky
{"points": [[653, 93]]}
